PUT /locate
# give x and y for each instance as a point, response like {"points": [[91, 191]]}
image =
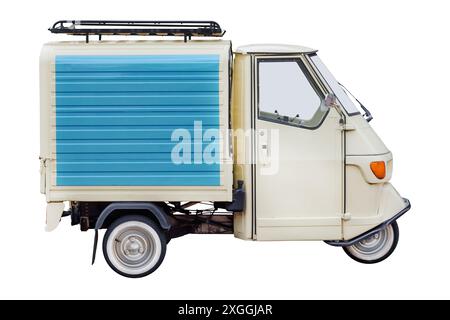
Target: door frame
{"points": [[325, 89]]}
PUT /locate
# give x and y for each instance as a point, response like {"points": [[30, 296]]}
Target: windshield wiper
{"points": [[367, 115]]}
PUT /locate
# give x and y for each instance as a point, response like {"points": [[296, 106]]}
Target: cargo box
{"points": [[114, 113]]}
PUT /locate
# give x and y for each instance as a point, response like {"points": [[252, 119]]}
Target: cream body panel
{"points": [[242, 148], [308, 206], [54, 213], [383, 203], [270, 48], [223, 192], [363, 164], [322, 232], [361, 139], [369, 200], [362, 198]]}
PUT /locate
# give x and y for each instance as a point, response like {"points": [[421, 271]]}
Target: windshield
{"points": [[341, 95]]}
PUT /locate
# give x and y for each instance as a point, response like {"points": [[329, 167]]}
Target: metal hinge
{"points": [[44, 161], [346, 216], [43, 173], [348, 127]]}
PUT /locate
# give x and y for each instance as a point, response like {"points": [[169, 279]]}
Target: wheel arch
{"points": [[119, 209]]}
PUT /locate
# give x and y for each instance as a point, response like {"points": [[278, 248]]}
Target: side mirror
{"points": [[330, 100]]}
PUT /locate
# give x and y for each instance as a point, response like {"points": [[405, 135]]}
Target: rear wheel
{"points": [[134, 246], [376, 247]]}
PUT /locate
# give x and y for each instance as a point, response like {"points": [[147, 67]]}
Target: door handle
{"points": [[263, 148], [264, 154]]}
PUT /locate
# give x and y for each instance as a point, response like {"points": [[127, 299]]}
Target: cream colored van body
{"points": [[323, 187]]}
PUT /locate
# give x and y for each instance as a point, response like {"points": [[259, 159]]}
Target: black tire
{"points": [[356, 251], [142, 237]]}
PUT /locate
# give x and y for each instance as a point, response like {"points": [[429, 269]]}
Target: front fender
{"points": [[381, 226], [382, 203], [390, 203]]}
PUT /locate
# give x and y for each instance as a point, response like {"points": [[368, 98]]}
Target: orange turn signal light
{"points": [[379, 169]]}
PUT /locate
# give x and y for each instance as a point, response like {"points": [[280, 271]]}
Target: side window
{"points": [[287, 94]]}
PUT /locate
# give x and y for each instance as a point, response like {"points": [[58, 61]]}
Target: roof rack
{"points": [[186, 29]]}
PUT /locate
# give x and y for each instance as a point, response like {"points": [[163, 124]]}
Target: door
{"points": [[299, 153]]}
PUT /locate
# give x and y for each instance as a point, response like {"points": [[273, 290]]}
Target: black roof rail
{"points": [[186, 29]]}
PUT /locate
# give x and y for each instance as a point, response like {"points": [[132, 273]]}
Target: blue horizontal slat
{"points": [[131, 127], [168, 66], [172, 120], [151, 134], [117, 156], [138, 86], [134, 166], [129, 59], [140, 113], [138, 63], [136, 76], [113, 147], [131, 109], [66, 99], [196, 179], [131, 141]]}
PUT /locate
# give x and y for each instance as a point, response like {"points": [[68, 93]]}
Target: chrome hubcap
{"points": [[375, 246], [373, 243], [134, 248]]}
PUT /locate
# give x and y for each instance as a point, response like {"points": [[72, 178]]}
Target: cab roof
{"points": [[273, 48]]}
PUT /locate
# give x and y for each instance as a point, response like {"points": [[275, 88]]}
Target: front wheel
{"points": [[134, 246], [376, 247]]}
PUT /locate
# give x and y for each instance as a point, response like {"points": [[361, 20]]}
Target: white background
{"points": [[394, 55]]}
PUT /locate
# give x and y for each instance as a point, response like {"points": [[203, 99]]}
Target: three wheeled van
{"points": [[155, 139]]}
